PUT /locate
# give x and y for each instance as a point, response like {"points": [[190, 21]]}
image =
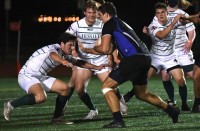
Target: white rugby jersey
{"points": [[162, 47], [181, 36], [40, 63], [87, 35]]}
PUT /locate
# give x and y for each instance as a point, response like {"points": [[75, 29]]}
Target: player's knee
{"points": [[80, 91], [142, 95], [71, 84], [40, 98], [106, 90], [64, 91], [181, 81]]}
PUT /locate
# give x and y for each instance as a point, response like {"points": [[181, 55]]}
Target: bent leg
{"points": [[36, 95], [81, 82], [196, 82], [71, 83], [143, 94], [62, 90], [168, 86], [111, 98], [178, 75]]}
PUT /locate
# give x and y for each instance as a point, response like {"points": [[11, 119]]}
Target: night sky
{"points": [[26, 9], [136, 13]]}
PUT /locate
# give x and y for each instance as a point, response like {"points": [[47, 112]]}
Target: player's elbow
{"points": [[107, 51]]}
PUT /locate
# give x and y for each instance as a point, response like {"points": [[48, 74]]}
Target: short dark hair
{"points": [[109, 8], [100, 1], [160, 5], [66, 37], [90, 4]]}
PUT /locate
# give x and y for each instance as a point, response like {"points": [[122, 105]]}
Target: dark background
{"points": [[137, 13]]}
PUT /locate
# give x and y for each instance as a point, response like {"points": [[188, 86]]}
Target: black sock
{"points": [[118, 93], [117, 116], [183, 94], [60, 104], [129, 95], [68, 97], [169, 88], [197, 101], [28, 99], [85, 98], [70, 93]]}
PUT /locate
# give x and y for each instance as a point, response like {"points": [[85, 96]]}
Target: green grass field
{"points": [[141, 116]]}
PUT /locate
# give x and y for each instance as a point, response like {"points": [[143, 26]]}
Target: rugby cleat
{"points": [[8, 108], [196, 108], [92, 115], [123, 106], [60, 120], [185, 107], [115, 124], [175, 114]]}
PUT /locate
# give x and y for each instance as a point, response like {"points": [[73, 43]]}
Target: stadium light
{"points": [[50, 19]]}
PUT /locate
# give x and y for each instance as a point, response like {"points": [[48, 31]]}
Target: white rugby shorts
{"points": [[164, 63], [27, 80], [185, 59], [98, 61]]}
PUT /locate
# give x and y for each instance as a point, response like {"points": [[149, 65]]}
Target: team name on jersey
{"points": [[90, 36]]}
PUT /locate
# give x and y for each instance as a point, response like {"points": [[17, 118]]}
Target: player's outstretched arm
{"points": [[85, 64], [193, 18], [54, 56]]}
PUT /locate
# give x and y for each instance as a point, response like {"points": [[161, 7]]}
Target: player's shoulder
{"points": [[154, 26], [98, 23], [55, 46], [180, 11], [176, 12], [75, 24], [80, 23], [154, 23]]}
